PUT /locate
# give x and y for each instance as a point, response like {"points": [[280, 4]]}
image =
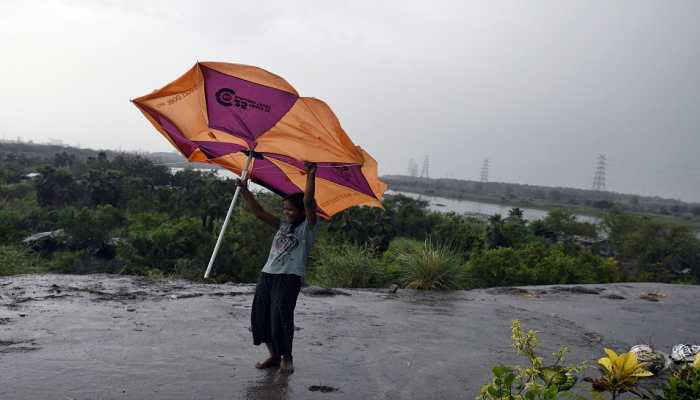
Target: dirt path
{"points": [[116, 337]]}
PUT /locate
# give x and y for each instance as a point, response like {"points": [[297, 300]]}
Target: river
{"points": [[443, 204], [481, 208]]}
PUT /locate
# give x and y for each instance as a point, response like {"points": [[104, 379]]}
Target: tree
{"points": [[56, 188]]}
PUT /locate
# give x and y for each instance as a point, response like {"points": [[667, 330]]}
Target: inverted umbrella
{"points": [[255, 124]]}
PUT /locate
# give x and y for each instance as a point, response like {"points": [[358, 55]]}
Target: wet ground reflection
{"points": [[271, 385]]}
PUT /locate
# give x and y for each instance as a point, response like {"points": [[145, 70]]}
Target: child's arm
{"points": [[309, 193], [255, 207]]}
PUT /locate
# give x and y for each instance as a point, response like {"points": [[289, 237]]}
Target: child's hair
{"points": [[297, 200]]}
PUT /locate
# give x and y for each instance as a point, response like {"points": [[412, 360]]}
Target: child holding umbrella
{"points": [[272, 314]]}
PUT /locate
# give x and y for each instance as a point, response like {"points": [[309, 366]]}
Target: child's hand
{"points": [[243, 184], [310, 167]]}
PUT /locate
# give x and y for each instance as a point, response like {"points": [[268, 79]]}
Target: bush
{"points": [[90, 229], [432, 266], [461, 233], [16, 219], [346, 265], [80, 262], [656, 251], [539, 264], [496, 267], [683, 384], [154, 241], [19, 259]]}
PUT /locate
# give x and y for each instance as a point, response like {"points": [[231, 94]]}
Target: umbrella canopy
{"points": [[219, 112]]}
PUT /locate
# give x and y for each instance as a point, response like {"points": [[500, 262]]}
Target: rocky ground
{"points": [[120, 337]]}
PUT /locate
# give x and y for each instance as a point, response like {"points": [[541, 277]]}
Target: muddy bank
{"points": [[116, 337]]}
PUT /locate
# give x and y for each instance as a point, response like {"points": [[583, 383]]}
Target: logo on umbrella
{"points": [[225, 96]]}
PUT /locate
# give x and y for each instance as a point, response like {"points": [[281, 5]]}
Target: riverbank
{"points": [[540, 208], [123, 337]]}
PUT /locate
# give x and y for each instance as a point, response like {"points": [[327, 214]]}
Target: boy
{"points": [[272, 315]]}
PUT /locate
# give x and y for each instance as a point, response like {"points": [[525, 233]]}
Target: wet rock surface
{"points": [[121, 337]]}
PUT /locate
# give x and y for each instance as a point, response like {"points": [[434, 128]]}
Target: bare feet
{"points": [[286, 366], [270, 362]]}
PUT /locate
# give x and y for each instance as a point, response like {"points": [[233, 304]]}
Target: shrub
{"points": [[90, 229], [538, 263], [432, 266], [397, 248], [534, 382], [656, 251], [153, 241], [496, 267], [79, 262], [18, 259], [683, 384], [346, 265], [461, 233], [16, 219]]}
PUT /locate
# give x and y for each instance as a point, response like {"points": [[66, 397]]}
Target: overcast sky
{"points": [[538, 87]]}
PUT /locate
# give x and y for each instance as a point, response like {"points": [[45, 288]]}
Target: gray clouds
{"points": [[539, 87]]}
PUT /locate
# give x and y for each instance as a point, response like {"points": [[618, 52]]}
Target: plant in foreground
{"points": [[682, 384], [619, 374], [535, 382]]}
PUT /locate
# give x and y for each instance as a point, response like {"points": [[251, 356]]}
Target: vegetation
{"points": [[121, 213], [536, 381], [619, 375], [584, 201]]}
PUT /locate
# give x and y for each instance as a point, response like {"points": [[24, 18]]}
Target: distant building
{"points": [[31, 176]]}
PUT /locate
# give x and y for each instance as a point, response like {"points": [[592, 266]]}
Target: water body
{"points": [[443, 204], [471, 207]]}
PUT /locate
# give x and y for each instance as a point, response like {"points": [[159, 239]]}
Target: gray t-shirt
{"points": [[290, 249]]}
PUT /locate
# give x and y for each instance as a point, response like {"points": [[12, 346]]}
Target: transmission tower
{"points": [[485, 170], [425, 171], [599, 176], [412, 168]]}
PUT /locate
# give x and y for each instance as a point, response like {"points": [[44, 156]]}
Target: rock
{"points": [[393, 288], [130, 309], [592, 337], [508, 290], [613, 296], [319, 291], [322, 388], [653, 296], [577, 289], [185, 295]]}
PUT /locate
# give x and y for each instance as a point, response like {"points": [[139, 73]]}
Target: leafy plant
{"points": [[683, 384], [534, 382], [619, 373], [433, 266]]}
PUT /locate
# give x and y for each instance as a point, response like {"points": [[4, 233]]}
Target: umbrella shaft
{"points": [[244, 175]]}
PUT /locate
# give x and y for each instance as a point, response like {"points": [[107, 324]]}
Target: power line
{"points": [[599, 176], [412, 168], [485, 170], [425, 171]]}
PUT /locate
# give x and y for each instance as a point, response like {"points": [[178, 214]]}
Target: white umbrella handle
{"points": [[244, 175]]}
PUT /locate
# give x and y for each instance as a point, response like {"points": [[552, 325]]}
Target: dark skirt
{"points": [[272, 315]]}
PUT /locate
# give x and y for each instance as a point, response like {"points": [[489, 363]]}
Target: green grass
{"points": [[432, 266], [346, 265], [18, 259]]}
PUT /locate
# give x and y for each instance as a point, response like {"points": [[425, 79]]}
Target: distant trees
{"points": [[498, 191], [56, 188], [655, 251], [125, 214]]}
